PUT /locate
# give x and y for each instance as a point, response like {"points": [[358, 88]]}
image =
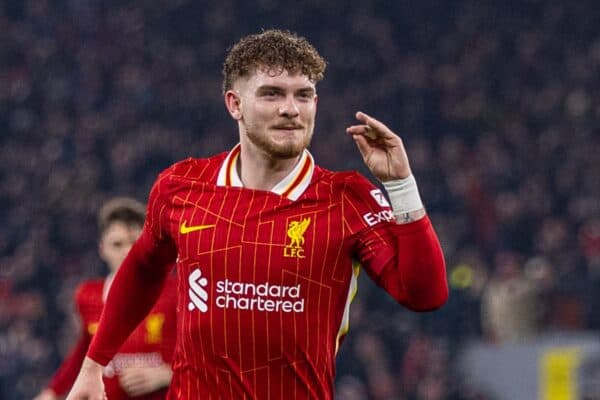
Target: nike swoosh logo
{"points": [[184, 229]]}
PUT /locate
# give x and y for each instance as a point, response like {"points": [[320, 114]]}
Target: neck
{"points": [[259, 171], [107, 282]]}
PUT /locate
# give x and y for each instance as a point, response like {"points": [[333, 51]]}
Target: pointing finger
{"points": [[365, 130], [381, 128]]}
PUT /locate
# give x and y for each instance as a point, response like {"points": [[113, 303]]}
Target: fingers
{"points": [[363, 130], [134, 389], [363, 145], [382, 150], [135, 381], [370, 121], [377, 126], [128, 380], [371, 132], [371, 128]]}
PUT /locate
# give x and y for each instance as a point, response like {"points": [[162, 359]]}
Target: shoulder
{"points": [[364, 204], [89, 292], [198, 169], [187, 172], [346, 182]]}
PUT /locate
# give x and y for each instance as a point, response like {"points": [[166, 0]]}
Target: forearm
{"points": [[67, 372], [134, 290], [416, 275]]}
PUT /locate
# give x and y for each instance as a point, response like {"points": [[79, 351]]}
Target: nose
{"points": [[289, 108], [128, 245]]}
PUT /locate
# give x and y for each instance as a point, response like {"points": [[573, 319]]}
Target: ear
{"points": [[233, 104]]}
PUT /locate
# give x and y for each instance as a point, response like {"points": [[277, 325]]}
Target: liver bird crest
{"points": [[296, 231]]}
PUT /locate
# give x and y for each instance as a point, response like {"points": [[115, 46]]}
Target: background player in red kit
{"points": [[268, 244], [141, 368]]}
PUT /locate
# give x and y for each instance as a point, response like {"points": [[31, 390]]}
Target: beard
{"points": [[284, 149]]}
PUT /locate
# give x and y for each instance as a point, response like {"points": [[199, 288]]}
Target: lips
{"points": [[288, 127]]}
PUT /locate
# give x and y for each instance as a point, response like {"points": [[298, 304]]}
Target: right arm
{"points": [[411, 267]]}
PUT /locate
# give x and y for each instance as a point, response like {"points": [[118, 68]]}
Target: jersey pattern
{"points": [[265, 278]]}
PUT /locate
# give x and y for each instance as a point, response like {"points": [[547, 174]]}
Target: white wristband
{"points": [[404, 195]]}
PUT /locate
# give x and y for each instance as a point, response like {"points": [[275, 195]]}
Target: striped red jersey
{"points": [[266, 278], [150, 344]]}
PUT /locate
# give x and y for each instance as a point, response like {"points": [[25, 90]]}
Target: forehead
{"points": [[118, 229], [276, 77]]}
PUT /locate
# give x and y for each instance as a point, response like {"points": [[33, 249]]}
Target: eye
{"points": [[270, 93], [118, 244], [305, 95]]}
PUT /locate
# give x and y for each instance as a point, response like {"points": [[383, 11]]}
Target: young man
{"points": [[141, 368], [268, 244]]}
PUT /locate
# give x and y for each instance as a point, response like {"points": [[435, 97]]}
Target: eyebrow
{"points": [[308, 90], [263, 88]]}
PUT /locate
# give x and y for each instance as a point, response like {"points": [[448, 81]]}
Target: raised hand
{"points": [[382, 150]]}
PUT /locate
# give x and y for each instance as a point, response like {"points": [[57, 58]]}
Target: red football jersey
{"points": [[150, 344], [266, 277]]}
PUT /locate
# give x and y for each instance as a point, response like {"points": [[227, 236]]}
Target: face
{"points": [[276, 111], [115, 243]]}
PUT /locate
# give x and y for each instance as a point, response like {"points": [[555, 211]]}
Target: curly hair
{"points": [[273, 48]]}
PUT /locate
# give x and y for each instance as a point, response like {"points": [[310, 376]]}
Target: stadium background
{"points": [[498, 103]]}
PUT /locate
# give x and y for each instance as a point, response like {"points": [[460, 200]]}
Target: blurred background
{"points": [[498, 104]]}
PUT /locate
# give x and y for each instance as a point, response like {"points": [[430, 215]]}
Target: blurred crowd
{"points": [[498, 104]]}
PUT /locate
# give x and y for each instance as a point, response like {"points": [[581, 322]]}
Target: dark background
{"points": [[498, 104]]}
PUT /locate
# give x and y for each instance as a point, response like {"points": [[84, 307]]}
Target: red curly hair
{"points": [[273, 48]]}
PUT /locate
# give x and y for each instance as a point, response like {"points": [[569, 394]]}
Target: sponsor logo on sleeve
{"points": [[374, 218], [379, 197]]}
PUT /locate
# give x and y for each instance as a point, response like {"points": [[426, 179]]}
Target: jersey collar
{"points": [[292, 186]]}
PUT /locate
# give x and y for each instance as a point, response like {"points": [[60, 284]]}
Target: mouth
{"points": [[288, 127]]}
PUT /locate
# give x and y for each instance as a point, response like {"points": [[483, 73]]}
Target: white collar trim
{"points": [[292, 186]]}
